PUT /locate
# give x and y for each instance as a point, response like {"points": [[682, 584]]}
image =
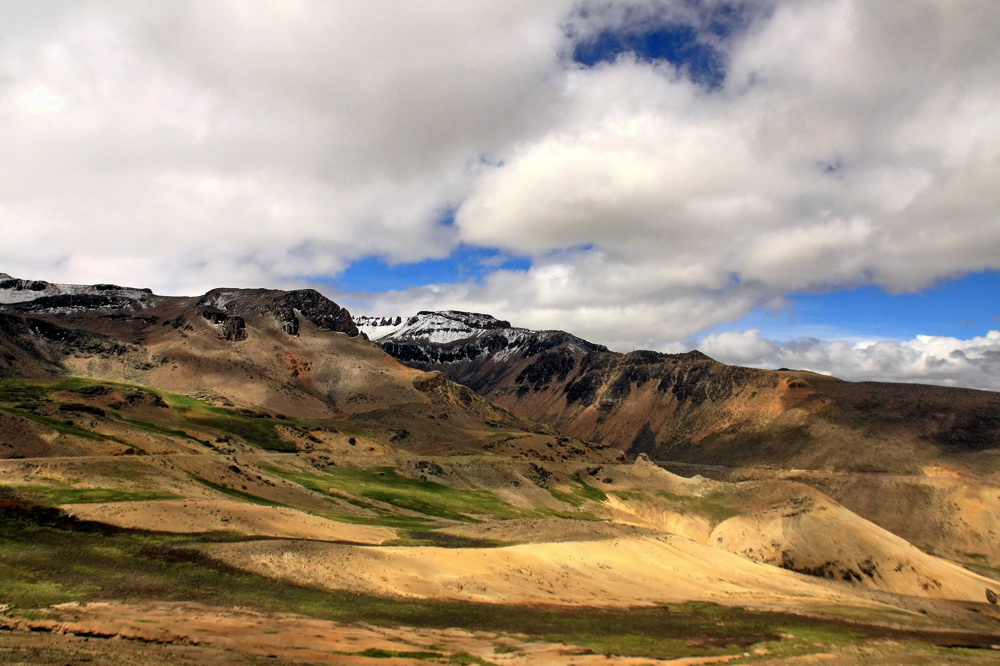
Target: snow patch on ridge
{"points": [[452, 336], [433, 327], [14, 290]]}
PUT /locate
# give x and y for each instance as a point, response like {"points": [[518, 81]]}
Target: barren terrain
{"points": [[241, 478]]}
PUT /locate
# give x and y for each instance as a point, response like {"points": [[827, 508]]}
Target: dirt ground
{"points": [[183, 633]]}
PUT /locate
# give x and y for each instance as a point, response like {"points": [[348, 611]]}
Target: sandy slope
{"points": [[624, 571], [828, 540], [226, 515]]}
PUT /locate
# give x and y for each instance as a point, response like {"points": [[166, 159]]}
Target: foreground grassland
{"points": [[48, 558]]}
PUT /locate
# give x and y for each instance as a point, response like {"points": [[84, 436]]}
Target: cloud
{"points": [[184, 145], [192, 144], [972, 363], [847, 146], [822, 162]]}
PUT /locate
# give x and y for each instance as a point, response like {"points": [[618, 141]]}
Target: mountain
{"points": [[879, 448], [690, 408], [294, 354], [179, 471]]}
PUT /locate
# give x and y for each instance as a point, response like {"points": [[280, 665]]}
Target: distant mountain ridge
{"points": [[452, 336], [918, 460], [688, 407]]}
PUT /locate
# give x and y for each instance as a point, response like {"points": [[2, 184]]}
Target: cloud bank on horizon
{"points": [[639, 173]]}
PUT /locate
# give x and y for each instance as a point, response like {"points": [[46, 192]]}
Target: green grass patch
{"points": [[714, 506], [579, 494], [588, 491], [257, 431], [442, 540], [23, 398], [385, 484], [154, 428], [254, 430], [64, 427], [236, 493], [436, 657], [381, 520], [466, 658], [22, 391], [376, 653], [57, 496], [566, 497]]}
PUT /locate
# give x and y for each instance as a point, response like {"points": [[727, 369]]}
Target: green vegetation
{"points": [[435, 657], [443, 540], [382, 519], [58, 496], [233, 492], [376, 653], [48, 558], [64, 427], [26, 398], [155, 429], [579, 494], [385, 484], [255, 429], [714, 506], [21, 391]]}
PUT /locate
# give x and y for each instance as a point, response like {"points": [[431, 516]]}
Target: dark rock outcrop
{"points": [[232, 327], [75, 302], [285, 306]]}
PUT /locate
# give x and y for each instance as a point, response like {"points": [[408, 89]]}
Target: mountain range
{"points": [[161, 454]]}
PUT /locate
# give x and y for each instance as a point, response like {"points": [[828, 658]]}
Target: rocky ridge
{"points": [[689, 407]]}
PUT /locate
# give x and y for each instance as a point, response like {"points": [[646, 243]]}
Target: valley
{"points": [[244, 477]]}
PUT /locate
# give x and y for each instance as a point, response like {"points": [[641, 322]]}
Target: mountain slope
{"points": [[690, 408], [292, 354], [920, 461]]}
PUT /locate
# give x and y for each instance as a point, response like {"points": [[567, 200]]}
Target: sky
{"points": [[800, 183]]}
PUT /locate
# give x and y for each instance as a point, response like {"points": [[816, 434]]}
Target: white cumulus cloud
{"points": [[971, 363]]}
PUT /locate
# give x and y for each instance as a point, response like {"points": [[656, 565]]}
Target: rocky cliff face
{"points": [[474, 349], [286, 307], [227, 309], [263, 343]]}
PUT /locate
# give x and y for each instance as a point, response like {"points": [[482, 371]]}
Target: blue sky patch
{"points": [[466, 264], [677, 44], [963, 308]]}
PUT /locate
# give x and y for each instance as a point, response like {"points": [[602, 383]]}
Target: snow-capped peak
{"points": [[437, 327]]}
